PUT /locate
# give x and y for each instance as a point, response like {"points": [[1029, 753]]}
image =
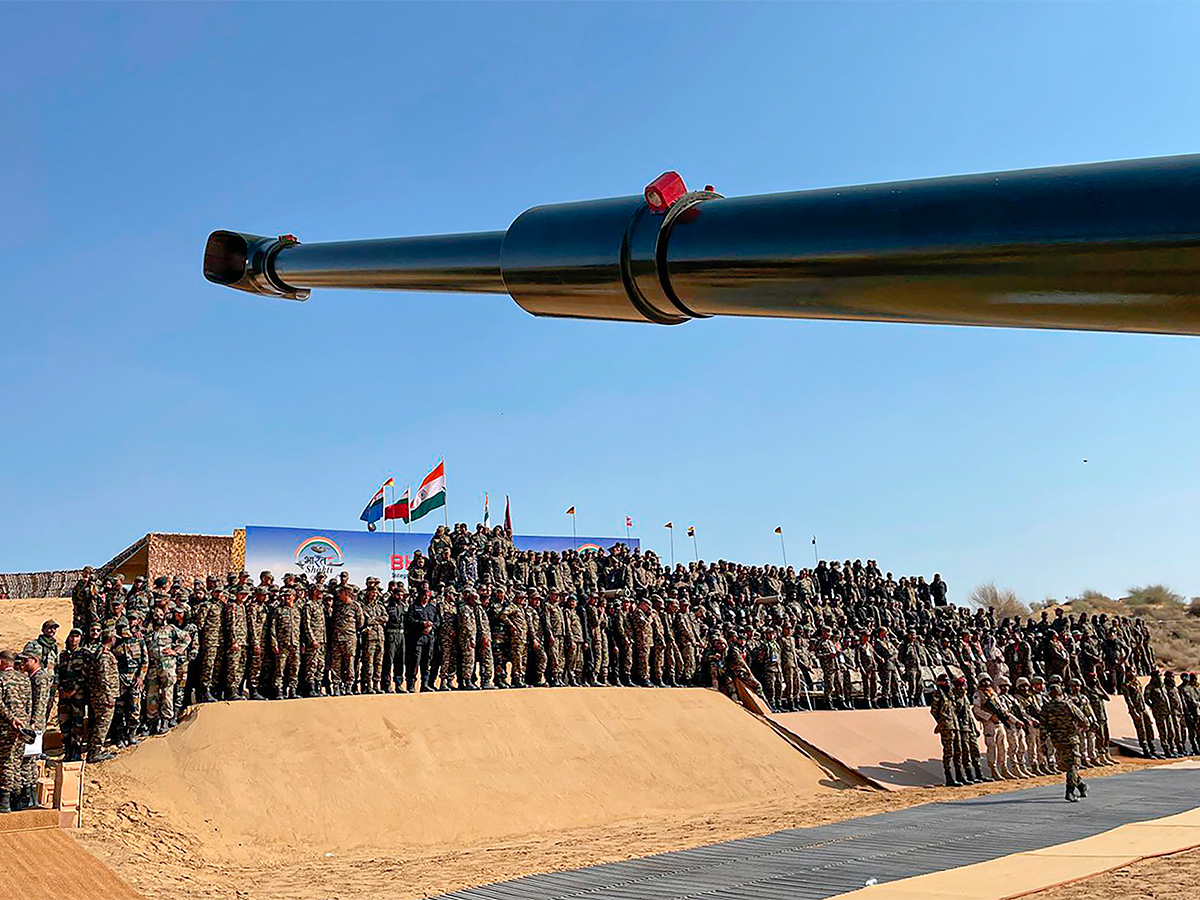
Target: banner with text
{"points": [[366, 553]]}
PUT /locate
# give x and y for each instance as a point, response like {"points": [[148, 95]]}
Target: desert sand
{"points": [[21, 620], [408, 796]]}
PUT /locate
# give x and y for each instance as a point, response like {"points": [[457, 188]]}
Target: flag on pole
{"points": [[629, 521], [374, 508], [814, 540], [487, 516], [691, 531], [431, 494], [779, 529], [507, 516], [399, 509], [571, 511], [670, 525]]}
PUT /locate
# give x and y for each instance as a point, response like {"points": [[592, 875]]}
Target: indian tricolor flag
{"points": [[431, 494]]}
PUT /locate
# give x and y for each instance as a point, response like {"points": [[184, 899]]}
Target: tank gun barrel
{"points": [[1104, 247]]}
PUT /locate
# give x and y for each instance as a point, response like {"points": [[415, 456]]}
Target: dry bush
{"points": [[1194, 607], [1153, 595], [1006, 603]]}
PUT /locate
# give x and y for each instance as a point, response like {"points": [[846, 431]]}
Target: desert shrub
{"points": [[1003, 600]]}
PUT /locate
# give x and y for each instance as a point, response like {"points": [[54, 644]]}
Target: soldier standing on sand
{"points": [[447, 634], [39, 711], [284, 630], [312, 643], [468, 639], [256, 640], [393, 639], [15, 733], [104, 686], [535, 673], [166, 646], [347, 623], [233, 642], [516, 624], [375, 617], [72, 697]]}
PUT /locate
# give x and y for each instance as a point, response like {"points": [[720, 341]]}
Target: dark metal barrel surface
{"points": [[1105, 247], [454, 262], [1112, 246]]}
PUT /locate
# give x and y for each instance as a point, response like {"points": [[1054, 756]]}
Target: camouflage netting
{"points": [[39, 584], [190, 555]]}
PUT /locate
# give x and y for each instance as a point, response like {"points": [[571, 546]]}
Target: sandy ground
{"points": [[1174, 877], [441, 826], [21, 620]]}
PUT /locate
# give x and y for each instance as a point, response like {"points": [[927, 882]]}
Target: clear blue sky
{"points": [[139, 398]]}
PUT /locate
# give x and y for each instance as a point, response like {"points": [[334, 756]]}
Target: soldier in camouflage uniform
{"points": [[284, 630], [72, 697], [1096, 696], [535, 673], [642, 642], [554, 635], [1175, 707], [596, 625], [375, 617], [941, 707], [1156, 699], [15, 733], [166, 648], [447, 608], [233, 643], [1135, 703], [516, 625], [468, 640], [830, 657], [626, 643], [39, 712], [969, 739], [1063, 722], [191, 650], [130, 651], [348, 621], [208, 615], [103, 687], [575, 643], [257, 610], [312, 643]]}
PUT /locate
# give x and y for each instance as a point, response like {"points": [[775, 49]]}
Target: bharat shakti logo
{"points": [[319, 555]]}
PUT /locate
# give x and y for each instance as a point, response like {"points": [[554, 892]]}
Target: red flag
{"points": [[507, 517], [629, 521]]}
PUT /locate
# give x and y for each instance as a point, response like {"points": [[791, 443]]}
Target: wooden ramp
{"points": [[40, 861]]}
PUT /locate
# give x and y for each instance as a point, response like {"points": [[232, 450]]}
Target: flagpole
{"points": [[672, 531], [695, 547], [783, 547], [816, 562], [408, 521], [627, 539], [446, 505], [392, 561], [574, 534]]}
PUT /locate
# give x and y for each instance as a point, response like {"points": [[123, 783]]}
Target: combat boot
{"points": [[100, 756], [257, 696], [1082, 788], [31, 801], [5, 806], [979, 776], [16, 800], [958, 774], [1070, 794], [951, 781]]}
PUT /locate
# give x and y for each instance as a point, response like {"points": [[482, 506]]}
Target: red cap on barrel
{"points": [[664, 190]]}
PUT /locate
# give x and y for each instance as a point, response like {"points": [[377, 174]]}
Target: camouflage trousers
{"points": [[101, 722], [951, 747], [535, 672], [1141, 725], [995, 739], [160, 694], [287, 670], [485, 653], [641, 659], [512, 670], [599, 656], [11, 750], [72, 720], [372, 662], [254, 664], [889, 683], [573, 669], [466, 659], [772, 684], [128, 713], [1018, 749], [235, 672], [313, 668], [658, 662], [1068, 760], [912, 685], [556, 661], [447, 639], [341, 664], [870, 684], [970, 749], [687, 663], [207, 664], [831, 679], [790, 688]]}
